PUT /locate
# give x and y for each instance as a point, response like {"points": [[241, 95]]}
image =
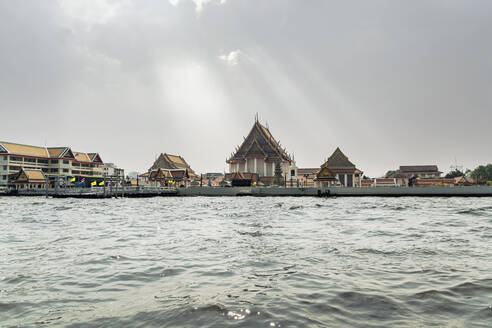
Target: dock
{"points": [[130, 192]]}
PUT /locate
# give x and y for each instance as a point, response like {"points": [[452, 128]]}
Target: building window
{"points": [[4, 158], [43, 161], [54, 170], [44, 170], [54, 161], [292, 173], [5, 167], [75, 164], [19, 159], [65, 170], [4, 177], [66, 162], [29, 160], [14, 167]]}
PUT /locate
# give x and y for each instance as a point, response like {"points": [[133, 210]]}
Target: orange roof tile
{"points": [[56, 152], [19, 149], [81, 157]]}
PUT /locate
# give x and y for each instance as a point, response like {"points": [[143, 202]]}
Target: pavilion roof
{"points": [[338, 160], [170, 162]]}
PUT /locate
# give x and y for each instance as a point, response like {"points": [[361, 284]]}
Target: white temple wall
{"points": [[251, 163], [242, 167]]}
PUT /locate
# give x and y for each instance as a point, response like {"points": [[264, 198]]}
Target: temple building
{"points": [[168, 170], [172, 162], [345, 171], [259, 153], [164, 177], [325, 177], [29, 178]]}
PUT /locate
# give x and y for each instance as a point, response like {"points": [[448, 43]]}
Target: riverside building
{"points": [[169, 169], [54, 163], [259, 154], [339, 167]]}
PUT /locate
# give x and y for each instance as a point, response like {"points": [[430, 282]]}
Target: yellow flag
{"points": [[93, 183], [72, 180], [101, 183]]}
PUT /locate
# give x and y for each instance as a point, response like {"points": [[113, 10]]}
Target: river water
{"points": [[246, 262]]}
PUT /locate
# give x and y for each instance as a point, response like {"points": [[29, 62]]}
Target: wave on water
{"points": [[246, 262], [478, 211]]}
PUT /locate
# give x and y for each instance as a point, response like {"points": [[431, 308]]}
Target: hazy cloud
{"points": [[231, 58], [390, 82], [199, 4]]}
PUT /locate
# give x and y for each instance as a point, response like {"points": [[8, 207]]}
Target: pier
{"points": [[126, 191]]}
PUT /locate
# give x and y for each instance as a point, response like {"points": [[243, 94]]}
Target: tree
{"points": [[482, 174], [454, 174], [278, 180], [389, 173]]}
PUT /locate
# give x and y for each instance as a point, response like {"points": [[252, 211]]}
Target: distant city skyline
{"points": [[390, 83]]}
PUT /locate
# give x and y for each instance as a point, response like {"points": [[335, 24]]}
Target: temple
{"points": [[259, 153], [168, 169], [344, 170]]}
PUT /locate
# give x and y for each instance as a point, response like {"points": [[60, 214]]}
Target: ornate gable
{"points": [[326, 174], [255, 149], [21, 176], [3, 150], [260, 144], [95, 158], [68, 154]]}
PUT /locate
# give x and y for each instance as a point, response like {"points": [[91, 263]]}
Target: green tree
{"points": [[389, 173], [482, 174], [454, 174]]}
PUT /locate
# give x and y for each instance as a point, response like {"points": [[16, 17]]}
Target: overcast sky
{"points": [[389, 82]]}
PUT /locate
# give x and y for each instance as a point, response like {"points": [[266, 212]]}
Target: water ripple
{"points": [[248, 262]]}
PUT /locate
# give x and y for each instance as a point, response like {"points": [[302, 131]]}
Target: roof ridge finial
{"points": [[256, 117]]}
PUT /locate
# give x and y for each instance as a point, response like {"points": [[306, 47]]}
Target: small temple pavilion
{"points": [[167, 169], [259, 153], [325, 177], [344, 170]]}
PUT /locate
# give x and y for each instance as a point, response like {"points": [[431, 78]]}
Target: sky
{"points": [[389, 82]]}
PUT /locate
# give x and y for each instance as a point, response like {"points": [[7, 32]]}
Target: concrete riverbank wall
{"points": [[469, 191]]}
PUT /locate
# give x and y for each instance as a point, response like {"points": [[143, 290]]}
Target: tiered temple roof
{"points": [[169, 162], [260, 144], [339, 163], [172, 162]]}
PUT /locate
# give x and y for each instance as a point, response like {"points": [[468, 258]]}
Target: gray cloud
{"points": [[390, 82]]}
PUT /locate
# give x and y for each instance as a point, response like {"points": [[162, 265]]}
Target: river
{"points": [[246, 262]]}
